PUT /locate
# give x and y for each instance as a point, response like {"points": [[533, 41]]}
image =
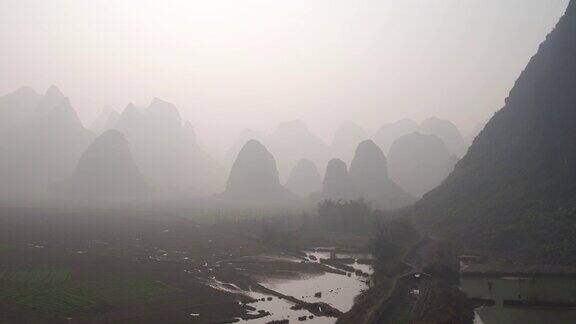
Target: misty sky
{"points": [[234, 64]]}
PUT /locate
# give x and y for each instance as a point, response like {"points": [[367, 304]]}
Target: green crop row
{"points": [[35, 276], [54, 291]]}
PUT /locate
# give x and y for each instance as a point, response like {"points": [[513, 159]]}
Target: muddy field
{"points": [[79, 265]]}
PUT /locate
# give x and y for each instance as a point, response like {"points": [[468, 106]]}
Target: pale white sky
{"points": [[233, 64]]}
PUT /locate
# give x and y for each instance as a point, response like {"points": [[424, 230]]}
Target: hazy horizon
{"points": [[404, 161], [229, 66]]}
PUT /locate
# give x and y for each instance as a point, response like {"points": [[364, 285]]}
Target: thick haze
{"points": [[230, 65]]}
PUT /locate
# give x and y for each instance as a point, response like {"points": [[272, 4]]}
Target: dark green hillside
{"points": [[514, 192]]}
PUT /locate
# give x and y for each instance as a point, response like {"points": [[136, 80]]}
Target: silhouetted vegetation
{"points": [[391, 242], [439, 302], [280, 235], [347, 215]]}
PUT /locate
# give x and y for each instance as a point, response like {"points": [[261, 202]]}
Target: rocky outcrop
{"points": [[369, 176], [105, 169], [254, 176], [419, 163], [304, 179]]}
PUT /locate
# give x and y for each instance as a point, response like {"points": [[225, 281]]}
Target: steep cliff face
{"points": [[105, 169], [514, 192], [254, 176], [369, 176]]}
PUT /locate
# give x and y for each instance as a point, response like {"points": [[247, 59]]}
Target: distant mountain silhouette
{"points": [[346, 139], [164, 118], [106, 120], [419, 163], [189, 134], [105, 169], [514, 193], [388, 133], [369, 176], [166, 150], [43, 142], [18, 107], [291, 142], [245, 136], [53, 98], [337, 184], [254, 176], [447, 132], [304, 179]]}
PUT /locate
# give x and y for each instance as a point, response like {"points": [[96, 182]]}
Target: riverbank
{"points": [[319, 296], [425, 292]]}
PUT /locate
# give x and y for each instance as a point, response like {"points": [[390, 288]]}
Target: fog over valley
{"points": [[275, 162], [229, 66], [163, 149]]}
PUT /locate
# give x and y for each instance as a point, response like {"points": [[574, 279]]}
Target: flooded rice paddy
{"points": [[337, 289], [528, 300]]}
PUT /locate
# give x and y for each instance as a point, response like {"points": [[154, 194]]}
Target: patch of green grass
{"points": [[54, 291]]}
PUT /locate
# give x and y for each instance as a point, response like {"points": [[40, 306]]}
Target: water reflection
{"points": [[334, 289], [545, 299], [282, 309], [338, 290]]}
